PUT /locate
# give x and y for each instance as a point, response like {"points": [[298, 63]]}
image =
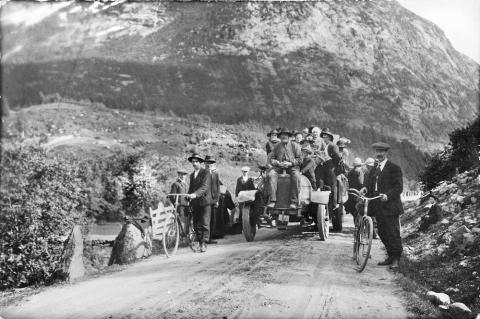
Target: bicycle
{"points": [[363, 234], [173, 229]]}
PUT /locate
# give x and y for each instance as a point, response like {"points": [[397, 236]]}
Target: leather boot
{"points": [[386, 262]]}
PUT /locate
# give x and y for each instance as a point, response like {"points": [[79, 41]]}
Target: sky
{"points": [[459, 19]]}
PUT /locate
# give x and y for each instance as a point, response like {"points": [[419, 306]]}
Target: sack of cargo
{"points": [[320, 197], [246, 196]]}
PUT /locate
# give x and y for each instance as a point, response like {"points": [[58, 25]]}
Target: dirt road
{"points": [[282, 274]]}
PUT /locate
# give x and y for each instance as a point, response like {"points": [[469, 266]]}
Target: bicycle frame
{"points": [[363, 224], [175, 206]]}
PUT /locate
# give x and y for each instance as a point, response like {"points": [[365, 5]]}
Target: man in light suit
{"points": [[200, 194], [386, 179]]}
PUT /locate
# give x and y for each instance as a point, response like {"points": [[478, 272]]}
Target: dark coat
{"points": [[390, 183], [215, 187], [179, 187], [270, 145], [202, 187], [244, 186]]}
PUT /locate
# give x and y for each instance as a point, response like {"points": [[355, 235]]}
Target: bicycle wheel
{"points": [[171, 235], [365, 242]]}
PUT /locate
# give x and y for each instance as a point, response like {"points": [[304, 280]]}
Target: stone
{"points": [[72, 256], [438, 298], [476, 230], [468, 239], [445, 221], [452, 290], [130, 245], [457, 235], [459, 308]]}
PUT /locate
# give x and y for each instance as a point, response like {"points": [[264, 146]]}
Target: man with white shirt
{"points": [[386, 179]]}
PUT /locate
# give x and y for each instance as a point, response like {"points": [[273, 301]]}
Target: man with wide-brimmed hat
{"points": [[180, 187], [286, 156], [200, 193], [215, 190], [272, 140], [386, 180], [308, 163], [326, 171]]}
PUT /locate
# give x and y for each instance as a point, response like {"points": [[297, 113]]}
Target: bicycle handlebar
{"points": [[357, 193]]}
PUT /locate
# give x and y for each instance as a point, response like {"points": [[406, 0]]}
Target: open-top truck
{"points": [[313, 208]]}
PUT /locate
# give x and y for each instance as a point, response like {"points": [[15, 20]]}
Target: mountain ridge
{"points": [[332, 63]]}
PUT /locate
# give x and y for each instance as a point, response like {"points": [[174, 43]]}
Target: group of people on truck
{"points": [[319, 155], [312, 152]]}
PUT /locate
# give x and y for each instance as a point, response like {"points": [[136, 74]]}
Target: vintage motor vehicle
{"points": [[313, 207]]}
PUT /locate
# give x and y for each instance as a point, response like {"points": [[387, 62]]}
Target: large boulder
{"points": [[458, 237], [130, 245], [72, 256], [438, 298]]}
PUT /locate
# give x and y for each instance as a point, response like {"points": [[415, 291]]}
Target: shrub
{"points": [[461, 154], [41, 198]]}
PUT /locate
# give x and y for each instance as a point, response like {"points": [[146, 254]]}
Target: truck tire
{"points": [[338, 218], [322, 222], [249, 224]]}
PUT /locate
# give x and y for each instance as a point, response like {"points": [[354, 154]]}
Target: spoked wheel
{"points": [[322, 222], [171, 236], [365, 236], [249, 224]]}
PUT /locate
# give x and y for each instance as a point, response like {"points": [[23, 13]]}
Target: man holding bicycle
{"points": [[386, 180], [200, 194]]}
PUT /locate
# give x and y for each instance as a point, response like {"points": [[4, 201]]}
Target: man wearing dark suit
{"points": [[215, 190], [386, 180], [201, 199]]}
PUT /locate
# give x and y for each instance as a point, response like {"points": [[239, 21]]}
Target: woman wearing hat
{"points": [[200, 193]]}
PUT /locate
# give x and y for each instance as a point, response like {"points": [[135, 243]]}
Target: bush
{"points": [[461, 154], [41, 198]]}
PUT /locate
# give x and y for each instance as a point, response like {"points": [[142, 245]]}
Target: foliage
{"points": [[461, 154], [41, 198]]}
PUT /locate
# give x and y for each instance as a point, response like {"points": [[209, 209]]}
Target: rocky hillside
{"points": [[342, 64], [445, 258]]}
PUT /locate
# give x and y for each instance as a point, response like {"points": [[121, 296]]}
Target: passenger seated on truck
{"points": [[272, 141], [286, 156], [308, 164]]}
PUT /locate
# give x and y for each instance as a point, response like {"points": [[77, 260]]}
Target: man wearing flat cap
{"points": [[200, 193], [180, 187], [287, 156], [244, 182], [386, 180]]}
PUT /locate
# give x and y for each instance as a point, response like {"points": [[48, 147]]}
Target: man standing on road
{"points": [[215, 190], [386, 180], [287, 156], [244, 182], [201, 198]]}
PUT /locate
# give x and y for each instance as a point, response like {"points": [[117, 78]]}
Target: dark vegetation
{"points": [[42, 197], [461, 154], [166, 88]]}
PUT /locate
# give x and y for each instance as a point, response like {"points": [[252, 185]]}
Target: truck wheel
{"points": [[248, 223], [322, 222], [338, 219]]}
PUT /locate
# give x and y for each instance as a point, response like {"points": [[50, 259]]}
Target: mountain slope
{"points": [[343, 64]]}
